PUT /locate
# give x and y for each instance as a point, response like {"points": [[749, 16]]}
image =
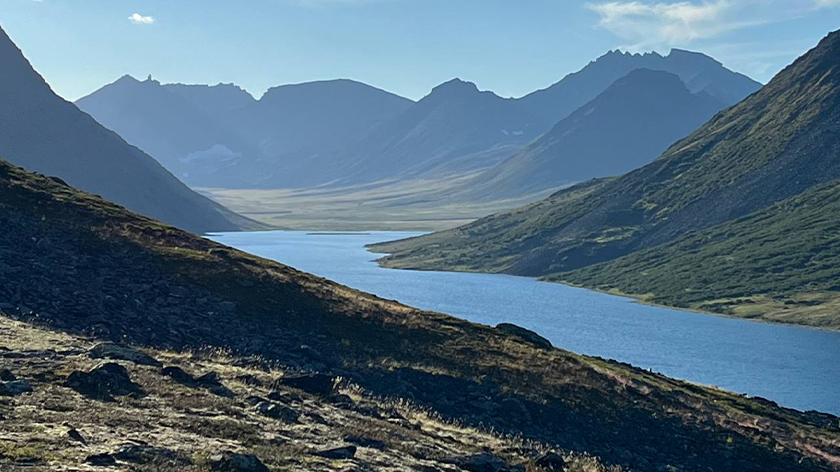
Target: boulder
{"points": [[551, 462], [235, 462], [212, 382], [482, 462], [104, 459], [344, 452], [14, 388], [277, 411], [103, 382], [314, 382], [525, 335], [136, 453], [6, 375], [122, 353], [179, 375]]}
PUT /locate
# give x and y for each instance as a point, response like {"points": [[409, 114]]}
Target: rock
{"points": [[344, 452], [526, 335], [146, 454], [364, 442], [483, 462], [101, 459], [285, 397], [235, 462], [343, 401], [75, 435], [315, 383], [103, 382], [6, 375], [254, 400], [179, 375], [213, 383], [14, 388], [113, 351], [551, 461], [277, 411]]}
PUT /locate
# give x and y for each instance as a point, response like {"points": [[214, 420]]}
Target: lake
{"points": [[795, 366]]}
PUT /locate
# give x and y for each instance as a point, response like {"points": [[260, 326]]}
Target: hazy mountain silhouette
{"points": [[625, 127], [42, 132], [314, 114], [217, 100], [739, 212], [178, 125], [455, 128], [699, 72]]}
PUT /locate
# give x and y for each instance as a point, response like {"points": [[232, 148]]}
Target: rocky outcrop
{"points": [[103, 382], [236, 462]]}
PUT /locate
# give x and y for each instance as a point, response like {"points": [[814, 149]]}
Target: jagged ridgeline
{"points": [[738, 217], [75, 262]]}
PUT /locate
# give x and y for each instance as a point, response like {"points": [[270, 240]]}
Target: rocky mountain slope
{"points": [[207, 410], [45, 133], [771, 147], [626, 126], [76, 263], [700, 73]]}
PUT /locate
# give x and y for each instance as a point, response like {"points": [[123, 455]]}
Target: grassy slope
{"points": [[781, 263], [774, 145], [625, 415]]}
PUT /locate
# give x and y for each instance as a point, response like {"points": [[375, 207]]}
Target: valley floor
{"points": [[403, 206]]}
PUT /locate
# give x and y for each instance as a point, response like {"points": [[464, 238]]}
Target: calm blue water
{"points": [[796, 367]]}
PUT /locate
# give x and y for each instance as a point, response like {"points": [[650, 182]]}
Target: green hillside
{"points": [[777, 143]]}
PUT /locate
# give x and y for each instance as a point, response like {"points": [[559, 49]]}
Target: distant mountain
{"points": [[738, 217], [179, 125], [699, 72], [217, 100], [456, 128], [44, 133], [625, 127], [314, 114]]}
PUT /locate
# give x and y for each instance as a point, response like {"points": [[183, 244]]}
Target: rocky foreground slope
{"points": [[75, 263], [242, 414]]}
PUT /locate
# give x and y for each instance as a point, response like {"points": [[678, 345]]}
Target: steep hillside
{"points": [[79, 264], [176, 126], [47, 134], [699, 72], [774, 145], [627, 126]]}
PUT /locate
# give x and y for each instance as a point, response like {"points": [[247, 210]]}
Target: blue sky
{"points": [[406, 46]]}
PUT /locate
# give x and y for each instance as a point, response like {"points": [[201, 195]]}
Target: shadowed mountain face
{"points": [[456, 128], [699, 72], [775, 146], [181, 126], [314, 114], [69, 257], [44, 133], [625, 127]]}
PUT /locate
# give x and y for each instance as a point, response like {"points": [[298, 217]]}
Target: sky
{"points": [[511, 47]]}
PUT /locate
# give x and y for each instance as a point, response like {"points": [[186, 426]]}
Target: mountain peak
{"points": [[691, 55], [455, 86]]}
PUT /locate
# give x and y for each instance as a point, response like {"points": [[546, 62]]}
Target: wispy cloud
{"points": [[827, 3], [139, 19], [647, 24]]}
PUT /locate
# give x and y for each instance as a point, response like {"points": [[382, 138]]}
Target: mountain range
{"points": [[343, 133], [733, 218], [44, 133]]}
